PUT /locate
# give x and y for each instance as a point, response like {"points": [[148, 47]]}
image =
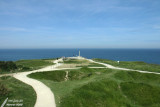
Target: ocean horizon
{"points": [[145, 55]]}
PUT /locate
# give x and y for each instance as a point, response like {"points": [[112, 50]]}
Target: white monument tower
{"points": [[79, 53]]}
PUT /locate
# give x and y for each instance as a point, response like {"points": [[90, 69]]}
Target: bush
{"points": [[7, 66], [3, 90]]}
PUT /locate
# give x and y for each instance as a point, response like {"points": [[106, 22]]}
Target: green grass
{"points": [[28, 65], [34, 64], [137, 65], [142, 94], [59, 75], [15, 89], [85, 63], [102, 88], [142, 89], [92, 65], [63, 88], [95, 65], [54, 76], [103, 93], [138, 77], [7, 66], [75, 61]]}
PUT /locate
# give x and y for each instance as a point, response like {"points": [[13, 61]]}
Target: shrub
{"points": [[7, 66], [3, 90]]}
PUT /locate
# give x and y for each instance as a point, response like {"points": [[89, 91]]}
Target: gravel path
{"points": [[45, 97]]}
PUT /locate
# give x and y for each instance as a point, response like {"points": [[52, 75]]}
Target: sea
{"points": [[145, 55]]}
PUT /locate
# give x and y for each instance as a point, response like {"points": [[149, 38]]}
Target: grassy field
{"points": [[26, 65], [14, 89], [75, 61], [88, 87], [82, 63], [132, 65], [95, 65], [34, 64], [102, 88]]}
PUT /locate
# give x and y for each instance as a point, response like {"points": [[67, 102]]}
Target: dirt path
{"points": [[112, 67], [66, 77], [45, 97]]}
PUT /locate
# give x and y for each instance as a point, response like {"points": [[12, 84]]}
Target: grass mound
{"points": [[59, 75], [95, 94], [80, 74], [50, 75], [138, 77], [88, 87], [141, 94]]}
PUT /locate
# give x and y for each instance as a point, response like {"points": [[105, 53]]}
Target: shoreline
{"points": [[151, 56]]}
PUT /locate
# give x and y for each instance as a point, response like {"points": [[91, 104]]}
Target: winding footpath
{"points": [[45, 97], [118, 68]]}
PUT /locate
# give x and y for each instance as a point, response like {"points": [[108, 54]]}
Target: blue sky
{"points": [[79, 24]]}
